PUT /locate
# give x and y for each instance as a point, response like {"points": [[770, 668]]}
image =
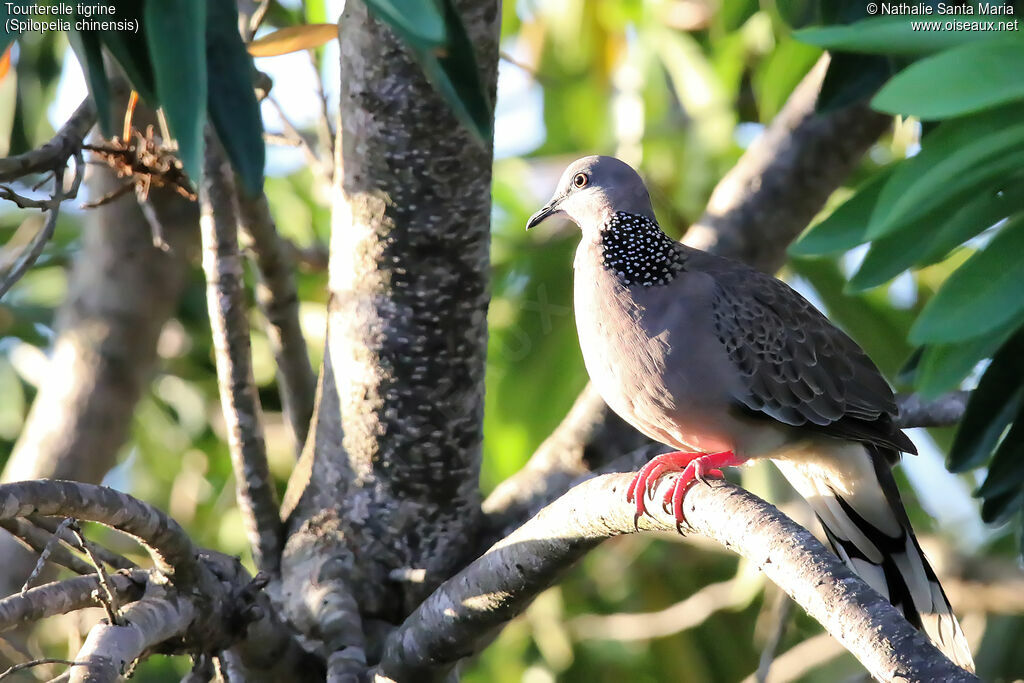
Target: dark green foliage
{"points": [[965, 181], [233, 109], [177, 51], [434, 32]]}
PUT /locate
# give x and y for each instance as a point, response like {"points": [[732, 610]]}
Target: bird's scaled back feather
{"points": [[796, 366]]}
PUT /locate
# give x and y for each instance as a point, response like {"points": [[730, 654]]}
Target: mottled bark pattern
{"points": [[407, 322]]}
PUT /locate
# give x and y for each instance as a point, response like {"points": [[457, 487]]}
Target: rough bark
{"points": [[457, 620], [395, 451], [279, 301], [229, 324]]}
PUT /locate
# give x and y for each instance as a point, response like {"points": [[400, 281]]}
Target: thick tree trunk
{"points": [[388, 483]]}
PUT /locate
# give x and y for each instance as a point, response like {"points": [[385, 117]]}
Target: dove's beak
{"points": [[550, 209]]}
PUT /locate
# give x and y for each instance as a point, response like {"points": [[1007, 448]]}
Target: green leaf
{"points": [[87, 47], [1006, 471], [982, 295], [984, 211], [966, 79], [957, 156], [420, 23], [177, 50], [8, 37], [999, 509], [993, 405], [888, 35], [929, 238], [456, 77], [943, 366], [130, 49], [846, 227], [234, 111]]}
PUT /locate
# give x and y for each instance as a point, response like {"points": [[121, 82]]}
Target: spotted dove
{"points": [[726, 364]]}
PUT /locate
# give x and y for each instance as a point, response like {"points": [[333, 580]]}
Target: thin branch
{"points": [[36, 662], [579, 445], [325, 135], [225, 297], [109, 650], [797, 661], [686, 614], [62, 597], [57, 151], [943, 411], [43, 543], [292, 133], [455, 620], [168, 544], [279, 301], [108, 598], [782, 610], [111, 558], [35, 248], [53, 541]]}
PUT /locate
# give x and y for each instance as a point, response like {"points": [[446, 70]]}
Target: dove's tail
{"points": [[853, 492]]}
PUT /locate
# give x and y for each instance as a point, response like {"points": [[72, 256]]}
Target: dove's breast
{"points": [[650, 354]]}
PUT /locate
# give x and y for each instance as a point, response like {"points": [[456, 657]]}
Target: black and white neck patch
{"points": [[636, 249]]}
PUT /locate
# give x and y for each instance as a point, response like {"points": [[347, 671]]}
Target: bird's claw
{"points": [[690, 466]]}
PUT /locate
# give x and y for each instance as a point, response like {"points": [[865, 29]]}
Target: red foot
{"points": [[692, 466]]}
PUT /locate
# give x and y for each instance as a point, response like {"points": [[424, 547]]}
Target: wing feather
{"points": [[796, 366]]}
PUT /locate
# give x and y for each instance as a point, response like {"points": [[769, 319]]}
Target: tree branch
{"points": [[225, 298], [45, 545], [943, 411], [31, 253], [55, 153], [109, 650], [62, 597], [168, 544], [457, 619], [546, 475], [279, 302]]}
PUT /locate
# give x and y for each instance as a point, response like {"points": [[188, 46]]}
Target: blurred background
{"points": [[678, 88]]}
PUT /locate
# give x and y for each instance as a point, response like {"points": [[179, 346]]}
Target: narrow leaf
{"points": [[888, 35], [999, 509], [86, 45], [981, 296], [929, 238], [420, 23], [177, 51], [293, 39], [846, 227], [234, 111], [960, 81], [958, 155], [1006, 471], [943, 366], [987, 209], [130, 49], [994, 403]]}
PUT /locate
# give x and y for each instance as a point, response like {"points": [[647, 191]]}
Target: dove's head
{"points": [[592, 189]]}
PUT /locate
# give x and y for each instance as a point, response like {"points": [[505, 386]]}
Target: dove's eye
{"points": [[580, 180]]}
